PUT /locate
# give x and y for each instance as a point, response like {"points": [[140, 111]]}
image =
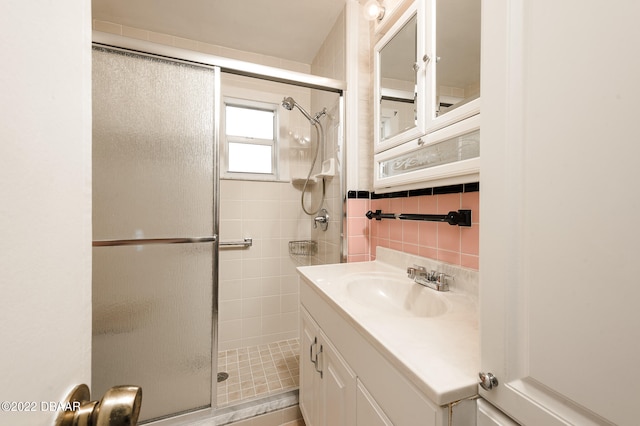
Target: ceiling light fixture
{"points": [[374, 10]]}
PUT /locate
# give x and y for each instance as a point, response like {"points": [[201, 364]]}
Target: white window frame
{"points": [[273, 143]]}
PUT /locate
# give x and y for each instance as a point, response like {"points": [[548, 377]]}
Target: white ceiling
{"points": [[289, 29]]}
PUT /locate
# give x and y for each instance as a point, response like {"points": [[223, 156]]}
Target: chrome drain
{"points": [[222, 377]]}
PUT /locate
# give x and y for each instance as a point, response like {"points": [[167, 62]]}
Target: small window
{"points": [[250, 139]]}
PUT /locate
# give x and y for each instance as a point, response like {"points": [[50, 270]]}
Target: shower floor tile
{"points": [[258, 371]]}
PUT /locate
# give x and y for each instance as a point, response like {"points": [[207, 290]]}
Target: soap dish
{"points": [[328, 168]]}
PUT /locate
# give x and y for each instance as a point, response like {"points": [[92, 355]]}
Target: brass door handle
{"points": [[120, 406]]}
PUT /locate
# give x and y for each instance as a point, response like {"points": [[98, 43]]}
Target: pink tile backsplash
{"points": [[451, 244]]}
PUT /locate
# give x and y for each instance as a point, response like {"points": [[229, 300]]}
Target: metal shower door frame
{"points": [[212, 238]]}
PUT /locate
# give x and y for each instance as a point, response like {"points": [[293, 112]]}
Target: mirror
{"points": [[457, 40], [397, 82]]}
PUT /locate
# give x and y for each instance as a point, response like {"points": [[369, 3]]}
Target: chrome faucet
{"points": [[432, 279]]}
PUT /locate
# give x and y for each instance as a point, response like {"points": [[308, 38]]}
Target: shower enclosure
{"points": [[154, 227], [167, 300]]}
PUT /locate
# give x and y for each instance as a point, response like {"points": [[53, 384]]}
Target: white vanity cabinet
{"points": [[559, 273], [427, 78], [345, 379], [327, 384], [368, 412], [330, 394]]}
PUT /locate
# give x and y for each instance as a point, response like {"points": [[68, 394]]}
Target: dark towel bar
{"points": [[460, 218]]}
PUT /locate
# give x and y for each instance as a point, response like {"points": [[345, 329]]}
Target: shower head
{"points": [[289, 103]]}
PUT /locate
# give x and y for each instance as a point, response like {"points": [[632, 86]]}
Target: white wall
{"points": [[45, 203]]}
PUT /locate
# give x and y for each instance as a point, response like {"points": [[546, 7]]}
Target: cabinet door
{"points": [[399, 89], [309, 377], [453, 37], [338, 387], [488, 415], [446, 157], [368, 411], [559, 266]]}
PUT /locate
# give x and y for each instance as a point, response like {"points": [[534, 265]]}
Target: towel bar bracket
{"points": [[247, 242]]}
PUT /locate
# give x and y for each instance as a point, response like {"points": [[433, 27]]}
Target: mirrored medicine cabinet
{"points": [[400, 81], [427, 77]]}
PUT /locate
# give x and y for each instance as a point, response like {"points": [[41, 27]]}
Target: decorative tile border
{"points": [[439, 241]]}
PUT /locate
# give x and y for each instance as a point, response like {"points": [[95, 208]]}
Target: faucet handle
{"points": [[416, 270], [441, 277], [411, 272]]}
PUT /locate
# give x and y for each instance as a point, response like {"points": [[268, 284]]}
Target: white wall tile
{"points": [[289, 303], [251, 327], [229, 310], [135, 33], [271, 324], [271, 305], [290, 284], [270, 286], [251, 268], [252, 287], [160, 38], [229, 290], [229, 330], [230, 230], [107, 27], [230, 270], [252, 307], [270, 267], [231, 209]]}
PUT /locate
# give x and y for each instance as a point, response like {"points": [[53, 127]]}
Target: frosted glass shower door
{"points": [[153, 178]]}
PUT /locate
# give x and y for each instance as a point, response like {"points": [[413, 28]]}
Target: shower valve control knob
{"points": [[322, 219]]}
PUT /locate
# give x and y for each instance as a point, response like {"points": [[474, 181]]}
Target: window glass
{"points": [[250, 158], [249, 122], [250, 139]]}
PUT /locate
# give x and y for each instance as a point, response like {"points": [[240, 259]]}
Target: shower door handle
{"points": [[146, 241]]}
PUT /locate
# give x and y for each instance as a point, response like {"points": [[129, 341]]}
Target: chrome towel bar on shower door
{"points": [[145, 241], [247, 242]]}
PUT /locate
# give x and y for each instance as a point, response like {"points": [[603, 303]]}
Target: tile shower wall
{"points": [[330, 62], [258, 286], [258, 297], [451, 244]]}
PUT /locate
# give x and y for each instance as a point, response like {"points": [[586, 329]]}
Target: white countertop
{"points": [[439, 355]]}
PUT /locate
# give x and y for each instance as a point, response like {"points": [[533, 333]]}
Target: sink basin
{"points": [[394, 295]]}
